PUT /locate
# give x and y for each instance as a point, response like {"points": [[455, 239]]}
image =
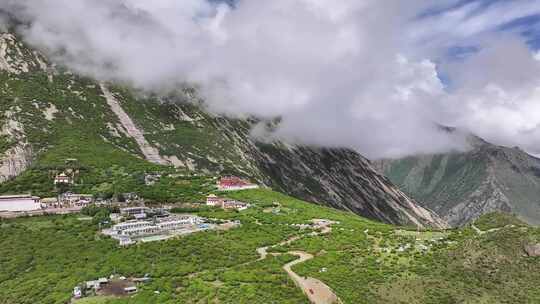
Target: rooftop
{"points": [[17, 196]]}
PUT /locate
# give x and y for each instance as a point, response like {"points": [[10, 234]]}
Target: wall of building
{"points": [[18, 205]]}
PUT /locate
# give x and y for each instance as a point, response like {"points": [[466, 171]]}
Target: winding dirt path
{"points": [[316, 291]]}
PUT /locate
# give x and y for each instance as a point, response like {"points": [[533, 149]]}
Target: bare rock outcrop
{"points": [[18, 157], [532, 250], [150, 153], [14, 161]]}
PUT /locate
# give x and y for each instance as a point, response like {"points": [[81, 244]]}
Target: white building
{"points": [[74, 199], [214, 201], [119, 228], [19, 203], [134, 210], [128, 232], [180, 222], [63, 178], [144, 230]]}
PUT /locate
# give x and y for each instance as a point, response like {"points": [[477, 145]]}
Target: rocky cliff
{"points": [[49, 115], [463, 186]]}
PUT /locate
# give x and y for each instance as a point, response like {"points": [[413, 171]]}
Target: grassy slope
{"points": [[42, 259], [440, 181], [496, 220], [81, 130], [443, 181], [107, 164]]}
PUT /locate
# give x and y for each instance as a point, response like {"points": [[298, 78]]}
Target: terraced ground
{"points": [[42, 259]]}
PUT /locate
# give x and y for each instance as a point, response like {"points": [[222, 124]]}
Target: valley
{"points": [[361, 261]]}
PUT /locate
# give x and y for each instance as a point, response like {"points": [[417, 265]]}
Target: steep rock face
{"points": [[15, 58], [341, 178], [463, 186], [17, 153], [64, 116]]}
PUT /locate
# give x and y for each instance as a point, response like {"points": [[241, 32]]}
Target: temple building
{"points": [[233, 183]]}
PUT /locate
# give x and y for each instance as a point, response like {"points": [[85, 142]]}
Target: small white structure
{"points": [[140, 216], [116, 217], [130, 290], [63, 178], [19, 203], [214, 201], [77, 292]]}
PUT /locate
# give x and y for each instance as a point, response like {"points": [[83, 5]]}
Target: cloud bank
{"points": [[376, 76]]}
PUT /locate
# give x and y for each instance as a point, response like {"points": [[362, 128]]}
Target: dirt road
{"points": [[316, 291]]}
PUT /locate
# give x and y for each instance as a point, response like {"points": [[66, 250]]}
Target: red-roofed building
{"points": [[232, 183]]}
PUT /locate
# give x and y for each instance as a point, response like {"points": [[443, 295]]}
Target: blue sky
{"points": [[528, 26]]}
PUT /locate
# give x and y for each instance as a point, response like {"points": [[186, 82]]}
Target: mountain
{"points": [[461, 186], [109, 135]]}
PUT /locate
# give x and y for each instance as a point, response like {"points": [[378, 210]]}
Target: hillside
{"points": [[110, 135], [360, 260], [462, 186]]}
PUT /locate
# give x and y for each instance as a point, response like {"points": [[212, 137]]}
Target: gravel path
{"points": [[316, 291]]}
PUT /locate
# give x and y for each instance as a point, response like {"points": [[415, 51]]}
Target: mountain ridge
{"points": [[58, 115], [461, 186]]}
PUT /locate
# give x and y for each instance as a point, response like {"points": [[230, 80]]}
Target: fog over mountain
{"points": [[376, 76]]}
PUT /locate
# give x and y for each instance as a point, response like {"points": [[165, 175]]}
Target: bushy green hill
{"points": [[110, 135], [42, 259], [462, 186]]}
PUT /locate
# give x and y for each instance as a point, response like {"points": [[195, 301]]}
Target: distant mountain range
{"points": [[461, 186]]}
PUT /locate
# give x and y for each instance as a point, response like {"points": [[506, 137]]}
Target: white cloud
{"points": [[360, 74]]}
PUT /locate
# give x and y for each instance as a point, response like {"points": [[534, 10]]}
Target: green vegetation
{"points": [[43, 265], [487, 177], [496, 220], [41, 259], [441, 181]]}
